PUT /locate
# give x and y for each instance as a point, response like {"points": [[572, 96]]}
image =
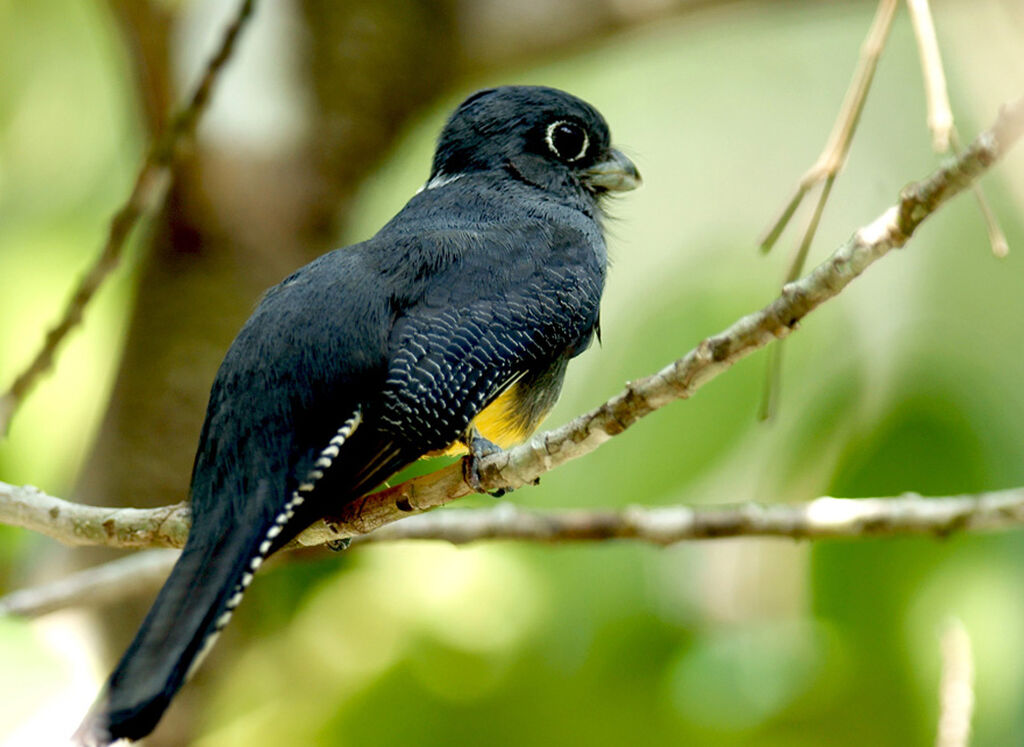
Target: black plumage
{"points": [[464, 309]]}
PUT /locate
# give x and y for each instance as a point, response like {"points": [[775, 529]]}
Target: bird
{"points": [[449, 331]]}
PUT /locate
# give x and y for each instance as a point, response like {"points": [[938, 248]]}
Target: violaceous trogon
{"points": [[452, 326]]}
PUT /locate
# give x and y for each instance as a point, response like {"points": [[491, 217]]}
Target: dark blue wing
{"points": [[515, 299]]}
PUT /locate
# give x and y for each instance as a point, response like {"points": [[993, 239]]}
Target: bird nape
{"points": [[452, 326]]}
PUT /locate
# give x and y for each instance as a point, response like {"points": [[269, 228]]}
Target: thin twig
{"points": [[956, 687], [148, 191], [822, 518], [833, 156], [996, 237], [76, 524], [138, 573], [773, 378], [771, 391], [940, 114], [825, 170]]}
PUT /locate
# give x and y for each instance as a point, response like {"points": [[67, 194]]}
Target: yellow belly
{"points": [[498, 424]]}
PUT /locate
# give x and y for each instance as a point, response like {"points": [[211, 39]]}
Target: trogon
{"points": [[452, 326]]}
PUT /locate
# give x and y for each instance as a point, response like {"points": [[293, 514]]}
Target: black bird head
{"points": [[540, 135]]}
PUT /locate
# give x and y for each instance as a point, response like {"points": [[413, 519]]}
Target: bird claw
{"points": [[339, 544], [479, 448]]}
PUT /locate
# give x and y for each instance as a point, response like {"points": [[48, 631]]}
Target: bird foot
{"points": [[339, 544], [479, 448]]}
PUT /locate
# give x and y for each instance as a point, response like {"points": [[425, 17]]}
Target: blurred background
{"points": [[321, 129]]}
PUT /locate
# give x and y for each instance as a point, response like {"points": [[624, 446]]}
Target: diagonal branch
{"points": [[824, 171], [148, 191], [680, 379], [167, 526]]}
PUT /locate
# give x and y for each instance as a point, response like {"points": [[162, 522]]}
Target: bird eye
{"points": [[567, 140]]}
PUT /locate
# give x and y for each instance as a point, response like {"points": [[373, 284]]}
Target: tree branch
{"points": [[824, 171], [106, 583], [823, 518], [680, 379], [167, 526], [150, 187], [77, 524]]}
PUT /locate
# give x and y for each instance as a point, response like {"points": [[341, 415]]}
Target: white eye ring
{"points": [[549, 139]]}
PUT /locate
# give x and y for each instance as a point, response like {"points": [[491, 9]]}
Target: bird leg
{"points": [[479, 447]]}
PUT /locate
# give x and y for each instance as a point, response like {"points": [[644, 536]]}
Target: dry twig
{"points": [[940, 114], [824, 171], [148, 192], [956, 688], [833, 156], [110, 582]]}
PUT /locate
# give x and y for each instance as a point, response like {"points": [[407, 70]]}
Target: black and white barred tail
{"points": [[205, 586]]}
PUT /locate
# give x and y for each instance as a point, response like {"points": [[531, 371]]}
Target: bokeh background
{"points": [[321, 129]]}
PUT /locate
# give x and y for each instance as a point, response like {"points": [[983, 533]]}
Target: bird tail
{"points": [[209, 579], [195, 603]]}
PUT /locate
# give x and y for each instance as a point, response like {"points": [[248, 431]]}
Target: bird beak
{"points": [[615, 173]]}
